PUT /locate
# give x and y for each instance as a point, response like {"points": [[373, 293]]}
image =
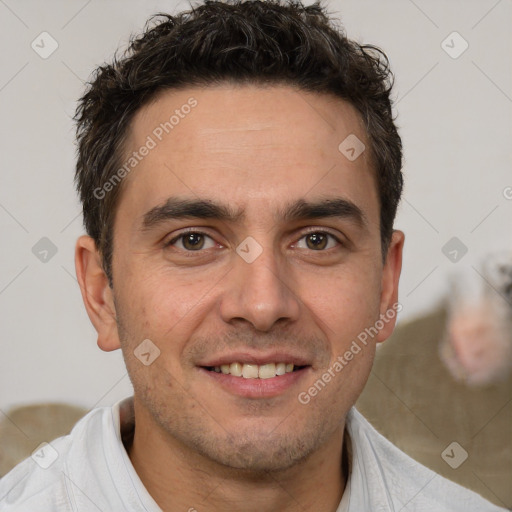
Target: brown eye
{"points": [[319, 240], [191, 241]]}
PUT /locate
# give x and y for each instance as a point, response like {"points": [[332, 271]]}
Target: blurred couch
{"points": [[24, 428], [412, 399]]}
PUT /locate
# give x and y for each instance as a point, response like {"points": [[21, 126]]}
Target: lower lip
{"points": [[257, 388]]}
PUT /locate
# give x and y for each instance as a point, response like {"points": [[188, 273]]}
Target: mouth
{"points": [[251, 380], [255, 371]]}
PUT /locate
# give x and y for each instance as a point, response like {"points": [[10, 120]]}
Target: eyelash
{"points": [[193, 231]]}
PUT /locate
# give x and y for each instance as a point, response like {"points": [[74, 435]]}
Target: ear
{"points": [[96, 293], [389, 305]]}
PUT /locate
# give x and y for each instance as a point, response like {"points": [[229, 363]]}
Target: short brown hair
{"points": [[239, 41]]}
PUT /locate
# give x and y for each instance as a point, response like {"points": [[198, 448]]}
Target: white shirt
{"points": [[89, 470]]}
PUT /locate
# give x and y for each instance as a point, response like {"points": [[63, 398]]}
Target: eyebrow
{"points": [[179, 208]]}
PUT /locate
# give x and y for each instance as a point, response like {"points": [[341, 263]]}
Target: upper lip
{"points": [[256, 358]]}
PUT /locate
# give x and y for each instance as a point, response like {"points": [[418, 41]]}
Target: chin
{"points": [[269, 454]]}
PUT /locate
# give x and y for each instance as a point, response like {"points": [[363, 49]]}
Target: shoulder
{"points": [[44, 481], [398, 481]]}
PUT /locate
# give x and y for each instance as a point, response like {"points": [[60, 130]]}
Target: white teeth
{"points": [[235, 369], [280, 369], [267, 371], [254, 371], [250, 371]]}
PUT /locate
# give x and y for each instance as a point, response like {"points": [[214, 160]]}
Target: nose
{"points": [[259, 292]]}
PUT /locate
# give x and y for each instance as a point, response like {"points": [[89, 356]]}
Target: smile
{"points": [[249, 380], [255, 371]]}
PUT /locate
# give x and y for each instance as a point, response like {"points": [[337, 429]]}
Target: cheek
{"points": [[153, 330], [162, 306], [346, 303]]}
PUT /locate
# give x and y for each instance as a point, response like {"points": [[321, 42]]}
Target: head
{"points": [[240, 171]]}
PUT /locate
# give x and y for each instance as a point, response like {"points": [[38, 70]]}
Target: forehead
{"points": [[250, 146]]}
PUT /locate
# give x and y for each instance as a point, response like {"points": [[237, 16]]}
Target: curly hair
{"points": [[232, 41]]}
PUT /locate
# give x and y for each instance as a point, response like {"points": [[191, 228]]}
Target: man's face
{"points": [[273, 285]]}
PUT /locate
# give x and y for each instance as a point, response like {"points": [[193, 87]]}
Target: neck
{"points": [[179, 478]]}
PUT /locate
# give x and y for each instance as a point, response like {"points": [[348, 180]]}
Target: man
{"points": [[239, 171]]}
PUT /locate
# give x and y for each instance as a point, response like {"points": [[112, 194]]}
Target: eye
{"points": [[191, 241], [319, 240]]}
